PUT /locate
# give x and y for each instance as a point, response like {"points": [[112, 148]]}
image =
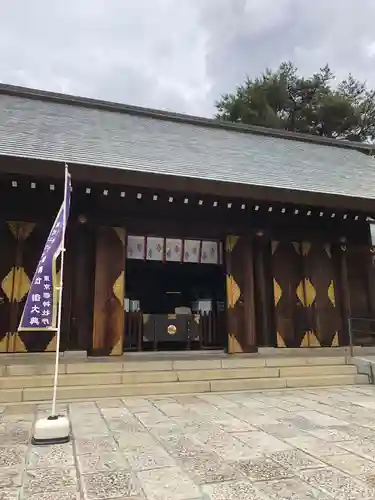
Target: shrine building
{"points": [[184, 232]]}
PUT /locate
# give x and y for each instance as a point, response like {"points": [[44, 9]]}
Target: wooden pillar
{"points": [[108, 329], [344, 294], [240, 295], [81, 259], [370, 278], [263, 282]]}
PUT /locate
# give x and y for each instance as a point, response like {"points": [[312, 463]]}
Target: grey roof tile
{"points": [[38, 128]]}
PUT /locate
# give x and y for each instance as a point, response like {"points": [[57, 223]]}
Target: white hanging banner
{"points": [[209, 252], [136, 247], [173, 250], [192, 251], [155, 248]]}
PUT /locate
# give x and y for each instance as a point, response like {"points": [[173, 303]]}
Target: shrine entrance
{"points": [[174, 294]]}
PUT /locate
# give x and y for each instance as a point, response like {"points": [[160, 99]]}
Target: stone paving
{"points": [[272, 445]]}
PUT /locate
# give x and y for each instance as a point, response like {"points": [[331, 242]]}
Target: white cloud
{"points": [[177, 54]]}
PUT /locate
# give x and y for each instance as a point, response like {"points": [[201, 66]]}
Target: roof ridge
{"points": [[44, 95]]}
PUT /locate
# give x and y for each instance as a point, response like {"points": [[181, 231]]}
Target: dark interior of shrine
{"points": [[161, 287]]}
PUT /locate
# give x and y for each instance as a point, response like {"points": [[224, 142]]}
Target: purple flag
{"points": [[40, 311]]}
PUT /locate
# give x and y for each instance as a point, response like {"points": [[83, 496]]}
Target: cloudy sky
{"points": [[177, 54]]}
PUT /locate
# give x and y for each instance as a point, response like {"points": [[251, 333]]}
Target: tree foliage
{"points": [[316, 105]]}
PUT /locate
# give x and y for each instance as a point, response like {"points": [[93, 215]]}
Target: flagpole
{"points": [[60, 289]]}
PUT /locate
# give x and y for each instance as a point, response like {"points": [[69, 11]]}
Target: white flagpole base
{"points": [[51, 430]]}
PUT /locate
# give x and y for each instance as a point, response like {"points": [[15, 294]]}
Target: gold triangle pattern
{"points": [[335, 340], [280, 340], [277, 292], [4, 343], [313, 340], [233, 291], [7, 284], [21, 284], [231, 242], [309, 292], [305, 340], [233, 345], [121, 234], [310, 340], [274, 246], [305, 247], [306, 292], [331, 293], [16, 284], [118, 288], [18, 344], [21, 230], [117, 348], [52, 345], [300, 291]]}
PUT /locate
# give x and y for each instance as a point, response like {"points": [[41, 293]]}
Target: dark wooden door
{"points": [[306, 312], [289, 294], [240, 294], [321, 284], [108, 329]]}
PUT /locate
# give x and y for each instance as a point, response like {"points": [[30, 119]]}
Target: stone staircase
{"points": [[29, 378]]}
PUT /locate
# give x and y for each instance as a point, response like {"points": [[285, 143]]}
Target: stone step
{"points": [[90, 392], [115, 365], [22, 382]]}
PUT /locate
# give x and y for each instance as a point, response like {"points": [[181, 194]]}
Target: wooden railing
{"points": [[210, 334]]}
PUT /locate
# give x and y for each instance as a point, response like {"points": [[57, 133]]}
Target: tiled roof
{"points": [[48, 126]]}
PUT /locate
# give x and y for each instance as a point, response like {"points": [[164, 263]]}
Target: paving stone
{"points": [[181, 446], [296, 459], [315, 446], [364, 449], [10, 478], [239, 490], [336, 483], [262, 469], [147, 457], [322, 420], [261, 442], [111, 484], [12, 456], [9, 494], [226, 446], [290, 489], [50, 480], [168, 484], [95, 445], [208, 468], [58, 455], [129, 440], [103, 462], [333, 434], [15, 433], [351, 464], [52, 495], [104, 404]]}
